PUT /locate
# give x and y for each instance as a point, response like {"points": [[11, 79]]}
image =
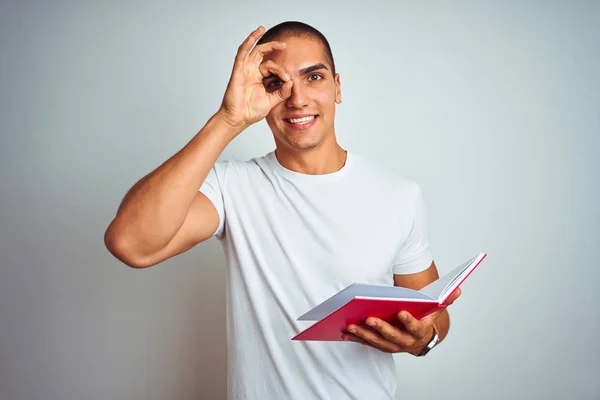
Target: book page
{"points": [[442, 287], [362, 290]]}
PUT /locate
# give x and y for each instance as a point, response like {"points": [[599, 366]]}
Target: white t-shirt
{"points": [[293, 240]]}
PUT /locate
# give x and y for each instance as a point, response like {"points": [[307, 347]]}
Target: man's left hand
{"points": [[410, 337]]}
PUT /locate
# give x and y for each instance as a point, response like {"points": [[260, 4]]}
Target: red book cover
{"points": [[357, 302], [358, 310]]}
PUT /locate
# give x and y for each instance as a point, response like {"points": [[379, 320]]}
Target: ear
{"points": [[338, 89]]}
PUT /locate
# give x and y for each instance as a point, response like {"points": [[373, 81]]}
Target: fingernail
{"points": [[287, 76], [370, 323], [352, 330]]}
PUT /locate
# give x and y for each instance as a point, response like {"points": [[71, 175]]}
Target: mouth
{"points": [[301, 122]]}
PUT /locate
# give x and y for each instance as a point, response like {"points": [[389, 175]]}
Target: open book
{"points": [[357, 302]]}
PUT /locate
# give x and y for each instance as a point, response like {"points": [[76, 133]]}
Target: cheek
{"points": [[325, 99], [275, 115]]}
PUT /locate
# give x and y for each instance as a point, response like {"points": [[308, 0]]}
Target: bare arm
{"points": [[415, 334], [164, 214], [417, 282]]}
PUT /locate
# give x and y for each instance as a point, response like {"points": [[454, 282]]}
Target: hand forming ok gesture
{"points": [[246, 101]]}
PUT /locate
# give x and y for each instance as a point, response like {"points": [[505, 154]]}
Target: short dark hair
{"points": [[298, 29]]}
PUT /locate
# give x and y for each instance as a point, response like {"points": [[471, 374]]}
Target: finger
{"points": [[388, 331], [246, 46], [353, 338], [413, 326], [452, 298], [284, 92], [373, 337], [269, 68], [263, 49]]}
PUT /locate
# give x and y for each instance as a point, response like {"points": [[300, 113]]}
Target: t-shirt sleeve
{"points": [[415, 254], [213, 189]]}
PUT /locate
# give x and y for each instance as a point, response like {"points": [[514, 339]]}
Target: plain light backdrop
{"points": [[493, 107]]}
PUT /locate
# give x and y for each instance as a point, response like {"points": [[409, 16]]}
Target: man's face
{"points": [[305, 119]]}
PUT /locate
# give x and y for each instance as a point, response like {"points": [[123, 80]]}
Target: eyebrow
{"points": [[303, 71], [312, 68]]}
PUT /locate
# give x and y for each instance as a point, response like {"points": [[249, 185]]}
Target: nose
{"points": [[298, 98]]}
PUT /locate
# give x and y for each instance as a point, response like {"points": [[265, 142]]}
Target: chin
{"points": [[302, 143], [294, 139], [303, 146]]}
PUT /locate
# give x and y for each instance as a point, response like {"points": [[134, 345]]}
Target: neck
{"points": [[317, 161]]}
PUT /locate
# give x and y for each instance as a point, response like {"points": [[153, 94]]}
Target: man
{"points": [[297, 225]]}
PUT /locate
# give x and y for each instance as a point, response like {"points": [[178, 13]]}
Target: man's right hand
{"points": [[246, 101], [164, 214]]}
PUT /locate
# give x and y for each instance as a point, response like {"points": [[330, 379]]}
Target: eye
{"points": [[273, 85], [315, 77]]}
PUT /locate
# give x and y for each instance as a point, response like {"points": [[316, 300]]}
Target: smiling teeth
{"points": [[302, 120]]}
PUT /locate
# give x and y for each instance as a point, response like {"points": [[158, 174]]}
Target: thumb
{"points": [[282, 93], [452, 298]]}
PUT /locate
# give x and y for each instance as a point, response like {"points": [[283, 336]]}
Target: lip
{"points": [[301, 127]]}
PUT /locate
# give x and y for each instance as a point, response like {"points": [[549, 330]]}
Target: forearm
{"points": [[155, 207], [442, 324]]}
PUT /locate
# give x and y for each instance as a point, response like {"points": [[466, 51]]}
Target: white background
{"points": [[493, 107]]}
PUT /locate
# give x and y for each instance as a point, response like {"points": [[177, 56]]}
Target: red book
{"points": [[357, 302]]}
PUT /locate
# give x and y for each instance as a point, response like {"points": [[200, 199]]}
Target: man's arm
{"points": [[415, 334], [418, 281], [164, 213]]}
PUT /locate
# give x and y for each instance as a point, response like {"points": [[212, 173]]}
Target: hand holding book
{"points": [[359, 302], [410, 335]]}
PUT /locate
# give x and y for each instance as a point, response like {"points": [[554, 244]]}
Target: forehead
{"points": [[299, 53]]}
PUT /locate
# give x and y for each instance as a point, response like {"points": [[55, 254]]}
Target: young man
{"points": [[297, 225]]}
